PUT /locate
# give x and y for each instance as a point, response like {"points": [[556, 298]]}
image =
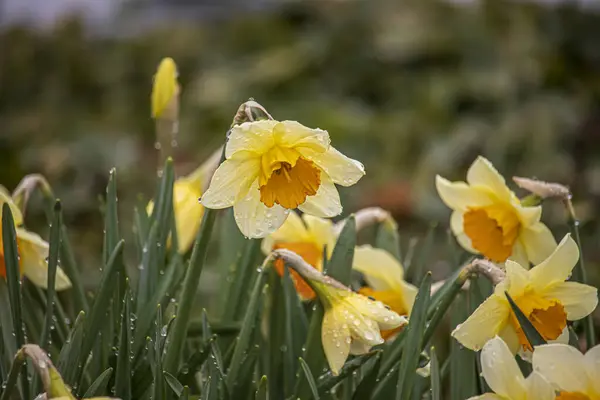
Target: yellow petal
{"points": [[294, 135], [485, 323], [293, 230], [457, 227], [592, 359], [376, 311], [519, 255], [558, 266], [460, 196], [516, 281], [510, 337], [326, 203], [409, 292], [357, 347], [188, 212], [250, 139], [165, 86], [482, 173], [321, 231], [538, 388], [501, 371], [487, 396], [256, 220], [562, 365], [538, 241], [579, 300], [342, 170], [33, 251], [335, 336], [528, 216], [230, 183], [381, 270], [5, 198]]}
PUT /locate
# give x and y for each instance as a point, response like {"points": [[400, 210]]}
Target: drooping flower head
{"points": [[543, 296], [575, 376], [385, 277], [272, 167], [489, 219], [308, 236], [503, 375], [352, 323], [165, 89], [33, 250]]}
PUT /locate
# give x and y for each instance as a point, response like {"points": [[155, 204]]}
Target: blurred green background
{"points": [[411, 88]]}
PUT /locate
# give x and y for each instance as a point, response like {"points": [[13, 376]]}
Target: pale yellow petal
{"points": [[482, 173], [488, 396], [358, 347], [538, 388], [592, 359], [165, 86], [538, 241], [562, 365], [341, 169], [460, 196], [292, 134], [376, 311], [519, 255], [326, 203], [6, 198], [509, 335], [558, 266], [293, 230], [320, 231], [516, 281], [33, 252], [409, 292], [250, 139], [579, 300], [256, 220], [380, 269], [457, 222], [230, 183], [485, 323], [188, 213], [335, 337], [500, 369], [528, 216]]}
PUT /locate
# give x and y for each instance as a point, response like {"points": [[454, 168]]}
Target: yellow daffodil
{"points": [[503, 375], [489, 219], [272, 167], [541, 293], [165, 89], [352, 323], [576, 376], [306, 236], [385, 276], [33, 251]]}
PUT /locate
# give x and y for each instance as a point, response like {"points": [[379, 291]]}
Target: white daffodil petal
{"points": [[255, 137], [335, 336], [485, 323], [188, 213], [579, 300], [6, 198], [376, 310], [33, 251], [256, 220], [483, 173], [341, 169], [517, 279], [538, 387], [457, 222], [292, 134], [326, 203], [500, 369], [558, 266], [538, 241], [380, 269], [562, 365], [321, 231], [460, 196], [230, 183]]}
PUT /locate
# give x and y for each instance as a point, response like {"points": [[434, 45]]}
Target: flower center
{"points": [[290, 184], [493, 230], [390, 298], [547, 316], [572, 396], [311, 253]]}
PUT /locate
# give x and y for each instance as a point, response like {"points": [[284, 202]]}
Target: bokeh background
{"points": [[411, 88]]}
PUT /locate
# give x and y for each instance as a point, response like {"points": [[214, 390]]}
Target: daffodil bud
{"points": [[165, 91], [543, 189]]}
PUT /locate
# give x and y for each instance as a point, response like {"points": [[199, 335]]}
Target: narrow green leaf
{"points": [[242, 280], [192, 365], [340, 265], [123, 371], [243, 386], [9, 345], [413, 268], [367, 384], [111, 220], [262, 393], [414, 340], [174, 384], [210, 389], [387, 238], [532, 335], [13, 279], [52, 267], [68, 358], [185, 393], [98, 387], [436, 381], [463, 368], [328, 380], [223, 329], [310, 379], [155, 357], [18, 367], [276, 336], [573, 338], [313, 353], [248, 326]]}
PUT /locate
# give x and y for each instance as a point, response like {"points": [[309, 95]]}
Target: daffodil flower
{"points": [[576, 376], [503, 375], [272, 167], [489, 219], [308, 236], [165, 89], [385, 277], [352, 323], [33, 250], [541, 293]]}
